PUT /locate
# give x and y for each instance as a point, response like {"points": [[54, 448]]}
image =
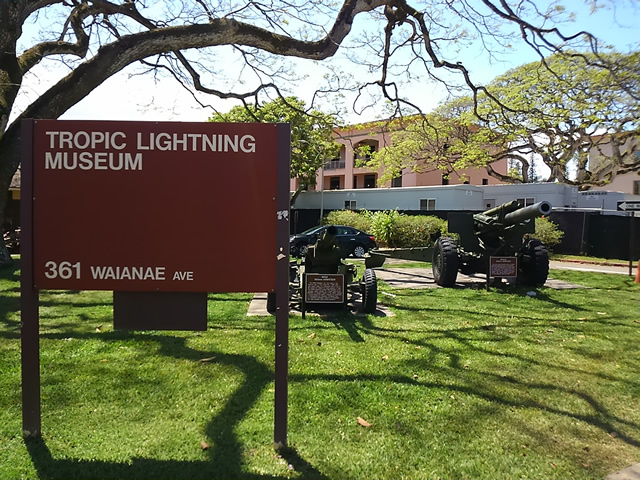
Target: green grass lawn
{"points": [[458, 384]]}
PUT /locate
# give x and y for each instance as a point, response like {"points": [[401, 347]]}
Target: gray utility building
{"points": [[464, 197], [442, 197]]}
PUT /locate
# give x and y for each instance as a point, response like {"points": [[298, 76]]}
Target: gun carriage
{"points": [[500, 231], [321, 277]]}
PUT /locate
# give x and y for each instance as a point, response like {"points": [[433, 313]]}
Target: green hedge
{"points": [[418, 231], [397, 230], [348, 217], [391, 228]]}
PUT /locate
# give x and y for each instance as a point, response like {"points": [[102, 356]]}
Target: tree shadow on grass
{"points": [[599, 417], [139, 468], [223, 458]]}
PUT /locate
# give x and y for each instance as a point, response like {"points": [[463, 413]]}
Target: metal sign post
{"points": [[282, 290], [29, 297]]}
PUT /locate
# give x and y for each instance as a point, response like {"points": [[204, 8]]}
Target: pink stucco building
{"points": [[342, 173]]}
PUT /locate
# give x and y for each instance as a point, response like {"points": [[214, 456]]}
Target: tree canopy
{"points": [[579, 122], [240, 50], [312, 143]]}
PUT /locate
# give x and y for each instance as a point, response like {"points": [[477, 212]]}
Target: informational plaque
{"points": [[503, 267], [324, 288]]}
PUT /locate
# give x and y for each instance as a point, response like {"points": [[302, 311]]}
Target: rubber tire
{"points": [[534, 270], [369, 291], [359, 251], [271, 302], [445, 262]]}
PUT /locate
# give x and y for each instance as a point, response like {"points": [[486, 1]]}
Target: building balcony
{"points": [[335, 165]]}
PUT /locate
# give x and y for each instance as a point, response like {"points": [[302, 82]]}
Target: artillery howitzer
{"points": [[498, 232], [323, 278]]}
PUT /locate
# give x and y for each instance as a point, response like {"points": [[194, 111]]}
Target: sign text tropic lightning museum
{"points": [[94, 148]]}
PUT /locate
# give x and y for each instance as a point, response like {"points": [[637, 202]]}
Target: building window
{"points": [[363, 151], [485, 181], [334, 183], [369, 181], [525, 202], [636, 187], [349, 204], [427, 204], [445, 179], [355, 182], [396, 182]]}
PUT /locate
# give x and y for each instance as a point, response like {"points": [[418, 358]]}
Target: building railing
{"points": [[334, 165]]}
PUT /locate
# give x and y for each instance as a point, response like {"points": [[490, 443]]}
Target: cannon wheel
{"points": [[534, 267], [369, 291], [271, 302], [445, 262], [302, 250]]}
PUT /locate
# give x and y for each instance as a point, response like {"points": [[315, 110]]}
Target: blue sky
{"points": [[140, 98]]}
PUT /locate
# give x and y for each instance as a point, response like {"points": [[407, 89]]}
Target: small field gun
{"points": [[323, 278]]}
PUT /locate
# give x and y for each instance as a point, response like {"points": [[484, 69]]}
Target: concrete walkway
{"points": [[631, 473], [423, 278], [618, 268]]}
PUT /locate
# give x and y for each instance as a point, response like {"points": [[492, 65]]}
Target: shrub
{"points": [[418, 231], [392, 228], [547, 232], [382, 226], [349, 218]]}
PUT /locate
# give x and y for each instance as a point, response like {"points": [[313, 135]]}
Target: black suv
{"points": [[350, 240]]}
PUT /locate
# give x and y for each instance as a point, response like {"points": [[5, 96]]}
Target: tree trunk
{"points": [[10, 154]]}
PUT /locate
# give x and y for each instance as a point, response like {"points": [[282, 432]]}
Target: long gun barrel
{"points": [[510, 213], [532, 211], [499, 218], [502, 209]]}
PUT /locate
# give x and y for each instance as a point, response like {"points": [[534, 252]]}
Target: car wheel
{"points": [[359, 251], [302, 250]]}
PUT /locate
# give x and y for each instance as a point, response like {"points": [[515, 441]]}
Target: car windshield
{"points": [[312, 230]]}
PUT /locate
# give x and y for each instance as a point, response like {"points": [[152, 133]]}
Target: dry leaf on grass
{"points": [[363, 422], [204, 446]]}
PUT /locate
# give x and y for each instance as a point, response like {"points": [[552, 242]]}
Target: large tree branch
{"points": [[117, 55], [75, 21]]}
